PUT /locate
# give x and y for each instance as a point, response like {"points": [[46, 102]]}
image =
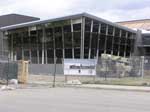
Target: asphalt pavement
{"points": [[73, 100]]}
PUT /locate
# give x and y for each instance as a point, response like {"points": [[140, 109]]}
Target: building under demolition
{"points": [[81, 36]]}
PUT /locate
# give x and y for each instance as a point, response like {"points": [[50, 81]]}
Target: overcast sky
{"points": [[113, 10]]}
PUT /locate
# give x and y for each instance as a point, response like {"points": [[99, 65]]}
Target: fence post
{"points": [[7, 73], [142, 67], [54, 79]]}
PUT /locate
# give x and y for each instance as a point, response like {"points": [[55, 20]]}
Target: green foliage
{"points": [[58, 23]]}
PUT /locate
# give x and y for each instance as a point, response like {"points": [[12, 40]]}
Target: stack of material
{"points": [[23, 71]]}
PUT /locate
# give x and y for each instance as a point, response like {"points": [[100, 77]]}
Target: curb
{"points": [[113, 87]]}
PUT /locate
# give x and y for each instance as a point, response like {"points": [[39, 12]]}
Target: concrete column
{"points": [[22, 51], [119, 43], [106, 40], [138, 41], [46, 56], [12, 47], [82, 38], [72, 39], [99, 31], [1, 42], [54, 45], [30, 47], [90, 39], [38, 60], [43, 38], [125, 44], [63, 42], [113, 40]]}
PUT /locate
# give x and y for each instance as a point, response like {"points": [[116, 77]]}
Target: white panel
{"points": [[76, 21], [32, 28], [80, 67]]}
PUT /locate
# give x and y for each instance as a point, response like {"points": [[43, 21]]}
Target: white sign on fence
{"points": [[80, 67]]}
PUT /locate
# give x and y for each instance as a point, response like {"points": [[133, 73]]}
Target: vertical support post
{"points": [[43, 37], [142, 67], [54, 79], [54, 75], [119, 43], [37, 46], [22, 51], [99, 31], [82, 38], [46, 56], [12, 46], [105, 46], [29, 46], [90, 39], [113, 41], [7, 78], [132, 47], [125, 44], [63, 41], [2, 42], [72, 39]]}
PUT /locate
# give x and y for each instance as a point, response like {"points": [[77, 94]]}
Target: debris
{"points": [[5, 88], [74, 82]]}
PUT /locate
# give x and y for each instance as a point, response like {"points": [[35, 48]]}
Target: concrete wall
{"points": [[1, 40], [138, 41], [46, 69]]}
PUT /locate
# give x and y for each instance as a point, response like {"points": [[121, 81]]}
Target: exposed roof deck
{"points": [[12, 19], [65, 18]]}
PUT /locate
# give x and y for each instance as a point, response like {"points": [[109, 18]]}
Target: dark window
{"points": [[110, 30], [77, 39], [103, 28], [68, 53], [50, 56], [77, 27], [68, 40], [58, 37], [109, 44], [59, 53], [86, 53], [76, 53], [87, 40], [67, 28], [19, 53], [26, 55], [122, 50], [34, 56], [95, 26], [117, 32], [102, 42]]}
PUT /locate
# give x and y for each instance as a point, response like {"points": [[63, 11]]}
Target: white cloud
{"points": [[113, 10]]}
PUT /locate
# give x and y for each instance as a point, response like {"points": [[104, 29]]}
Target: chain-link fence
{"points": [[116, 70], [8, 68]]}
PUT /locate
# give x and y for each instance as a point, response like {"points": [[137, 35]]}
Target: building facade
{"points": [[81, 36], [144, 25]]}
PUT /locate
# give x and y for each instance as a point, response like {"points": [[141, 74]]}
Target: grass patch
{"points": [[121, 81]]}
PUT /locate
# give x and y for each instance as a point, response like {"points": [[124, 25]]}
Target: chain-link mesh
{"points": [[8, 68], [131, 71]]}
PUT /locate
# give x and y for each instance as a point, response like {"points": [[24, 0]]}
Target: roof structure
{"points": [[65, 18], [143, 24], [12, 19]]}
